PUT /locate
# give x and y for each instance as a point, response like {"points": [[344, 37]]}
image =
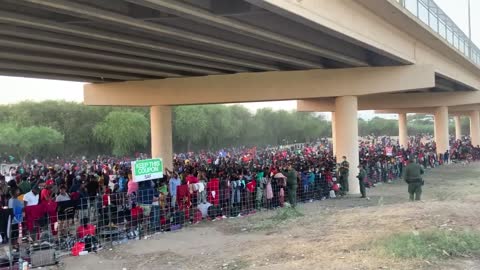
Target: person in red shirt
{"points": [[105, 197], [85, 229], [183, 199], [192, 179], [46, 193], [213, 189]]}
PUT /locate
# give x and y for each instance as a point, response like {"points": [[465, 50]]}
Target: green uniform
{"points": [[292, 187], [259, 194], [413, 176], [344, 169], [361, 178]]}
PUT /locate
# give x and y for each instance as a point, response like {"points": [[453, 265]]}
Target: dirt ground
{"points": [[332, 234]]}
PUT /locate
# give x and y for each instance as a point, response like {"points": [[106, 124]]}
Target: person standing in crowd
{"points": [[31, 198], [413, 177], [24, 185], [173, 183], [362, 174], [17, 207], [292, 185], [343, 171], [3, 191]]}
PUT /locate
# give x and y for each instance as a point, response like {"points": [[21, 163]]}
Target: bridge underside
{"points": [[124, 40]]}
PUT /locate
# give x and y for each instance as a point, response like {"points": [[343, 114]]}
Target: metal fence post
{"points": [[110, 221], [10, 249]]}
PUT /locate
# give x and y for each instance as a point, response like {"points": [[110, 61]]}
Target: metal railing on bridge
{"points": [[436, 19]]}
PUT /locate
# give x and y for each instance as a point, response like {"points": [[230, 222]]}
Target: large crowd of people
{"points": [[63, 202]]}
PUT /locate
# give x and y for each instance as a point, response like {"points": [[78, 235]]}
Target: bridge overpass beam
{"points": [[402, 130], [346, 141], [261, 86], [441, 129], [161, 131], [475, 127], [458, 127]]}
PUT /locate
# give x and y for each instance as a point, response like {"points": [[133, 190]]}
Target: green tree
{"points": [[30, 141], [39, 141], [124, 131], [191, 125]]}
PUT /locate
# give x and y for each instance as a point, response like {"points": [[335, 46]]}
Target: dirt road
{"points": [[332, 234]]}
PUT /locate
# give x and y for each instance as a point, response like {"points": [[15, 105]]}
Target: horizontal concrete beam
{"points": [[87, 75], [418, 100], [10, 70], [61, 39], [55, 61], [465, 109], [402, 103], [316, 105], [412, 110], [265, 86], [11, 18]]}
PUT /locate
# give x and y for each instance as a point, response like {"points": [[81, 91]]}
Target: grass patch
{"points": [[446, 195], [433, 244], [282, 216]]}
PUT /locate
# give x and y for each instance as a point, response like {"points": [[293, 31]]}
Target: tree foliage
{"points": [[32, 140], [89, 131], [124, 131]]}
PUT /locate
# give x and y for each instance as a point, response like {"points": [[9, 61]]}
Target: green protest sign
{"points": [[147, 169]]}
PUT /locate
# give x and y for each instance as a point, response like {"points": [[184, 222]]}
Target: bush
{"points": [[433, 244]]}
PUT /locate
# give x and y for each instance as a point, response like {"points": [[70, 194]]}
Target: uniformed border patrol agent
{"points": [[413, 177], [343, 171], [362, 174]]}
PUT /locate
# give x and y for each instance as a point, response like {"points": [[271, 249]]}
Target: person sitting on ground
{"points": [[85, 229]]}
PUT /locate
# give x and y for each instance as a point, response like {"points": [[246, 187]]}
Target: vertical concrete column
{"points": [[441, 129], [475, 127], [402, 130], [458, 128], [333, 134], [346, 137], [161, 129]]}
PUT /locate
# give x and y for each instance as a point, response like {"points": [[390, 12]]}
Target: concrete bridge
{"points": [[341, 56]]}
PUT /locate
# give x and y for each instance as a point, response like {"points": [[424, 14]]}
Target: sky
{"points": [[14, 89]]}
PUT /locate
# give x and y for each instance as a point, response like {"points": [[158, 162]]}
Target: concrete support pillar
{"points": [[475, 127], [402, 130], [346, 141], [458, 128], [161, 129], [441, 129], [333, 134]]}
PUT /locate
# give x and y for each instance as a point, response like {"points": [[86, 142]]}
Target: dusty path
{"points": [[333, 234]]}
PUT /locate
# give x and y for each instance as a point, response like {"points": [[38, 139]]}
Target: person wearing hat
{"points": [[413, 177], [46, 193]]}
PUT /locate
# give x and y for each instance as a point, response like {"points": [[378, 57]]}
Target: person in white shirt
{"points": [[203, 207], [31, 198], [62, 196]]}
